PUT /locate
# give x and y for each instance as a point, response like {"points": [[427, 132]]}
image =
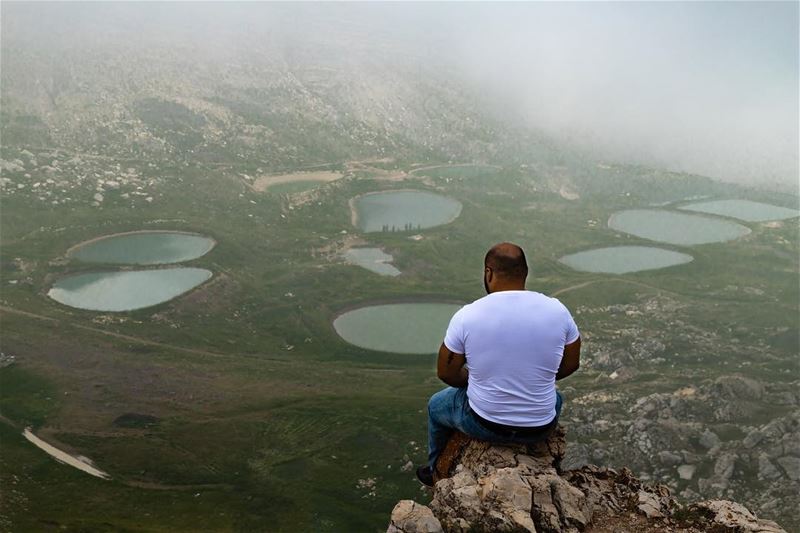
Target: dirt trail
{"points": [[85, 464], [613, 280], [81, 463], [456, 165], [149, 485], [262, 183]]}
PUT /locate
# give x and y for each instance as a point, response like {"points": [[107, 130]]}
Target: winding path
{"points": [[613, 280]]}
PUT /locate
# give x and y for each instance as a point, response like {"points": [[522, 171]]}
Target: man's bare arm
{"points": [[571, 360], [450, 367]]}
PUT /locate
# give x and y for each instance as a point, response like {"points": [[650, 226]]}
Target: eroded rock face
{"points": [[486, 487]]}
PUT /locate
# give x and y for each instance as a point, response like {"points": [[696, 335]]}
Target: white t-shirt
{"points": [[513, 342]]}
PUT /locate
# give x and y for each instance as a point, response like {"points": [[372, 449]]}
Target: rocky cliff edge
{"points": [[484, 487]]}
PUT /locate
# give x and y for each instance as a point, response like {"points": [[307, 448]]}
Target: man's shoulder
{"points": [[546, 300], [513, 300]]}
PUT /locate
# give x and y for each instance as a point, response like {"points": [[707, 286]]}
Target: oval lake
{"points": [[125, 291], [744, 210], [624, 259], [411, 328], [675, 228], [143, 248], [403, 211]]}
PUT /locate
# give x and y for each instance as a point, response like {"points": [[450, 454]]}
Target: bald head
{"points": [[507, 261]]}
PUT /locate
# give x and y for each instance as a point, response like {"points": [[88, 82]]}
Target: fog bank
{"points": [[703, 87], [710, 88]]}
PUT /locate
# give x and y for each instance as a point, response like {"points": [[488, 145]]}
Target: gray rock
{"points": [[767, 470], [686, 471], [499, 501], [576, 457], [790, 465], [705, 486], [791, 443], [689, 457], [411, 517], [543, 509], [730, 516], [508, 492], [723, 468], [571, 504], [738, 388], [774, 430], [752, 438], [506, 487], [668, 458], [773, 451], [709, 439], [649, 504], [459, 491]]}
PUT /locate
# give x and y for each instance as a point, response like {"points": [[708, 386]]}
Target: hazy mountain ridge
{"points": [[303, 110]]}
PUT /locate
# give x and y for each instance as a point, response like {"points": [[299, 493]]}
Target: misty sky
{"points": [[705, 87], [710, 88]]}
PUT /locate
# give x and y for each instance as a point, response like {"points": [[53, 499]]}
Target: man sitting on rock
{"points": [[501, 356]]}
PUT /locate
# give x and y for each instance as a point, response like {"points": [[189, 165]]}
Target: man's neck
{"points": [[508, 287]]}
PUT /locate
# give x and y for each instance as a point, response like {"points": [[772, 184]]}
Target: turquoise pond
{"points": [[372, 259], [746, 210], [403, 211], [143, 248], [409, 328], [675, 228], [624, 259], [126, 291]]}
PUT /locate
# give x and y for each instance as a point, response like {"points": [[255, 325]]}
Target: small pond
{"points": [[403, 211], [373, 259], [675, 228], [412, 328], [143, 248], [125, 291], [744, 210], [624, 259]]}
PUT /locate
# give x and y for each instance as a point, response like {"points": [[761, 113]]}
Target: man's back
{"points": [[513, 342], [501, 357]]}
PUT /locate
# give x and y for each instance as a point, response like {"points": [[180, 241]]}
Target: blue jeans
{"points": [[449, 411]]}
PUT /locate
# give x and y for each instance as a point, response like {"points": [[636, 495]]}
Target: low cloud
{"points": [[710, 88]]}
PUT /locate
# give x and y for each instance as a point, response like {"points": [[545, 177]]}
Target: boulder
{"points": [[411, 517], [686, 471], [709, 439], [738, 388]]}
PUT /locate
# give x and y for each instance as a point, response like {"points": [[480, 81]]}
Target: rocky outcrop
{"points": [[729, 438], [486, 487]]}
